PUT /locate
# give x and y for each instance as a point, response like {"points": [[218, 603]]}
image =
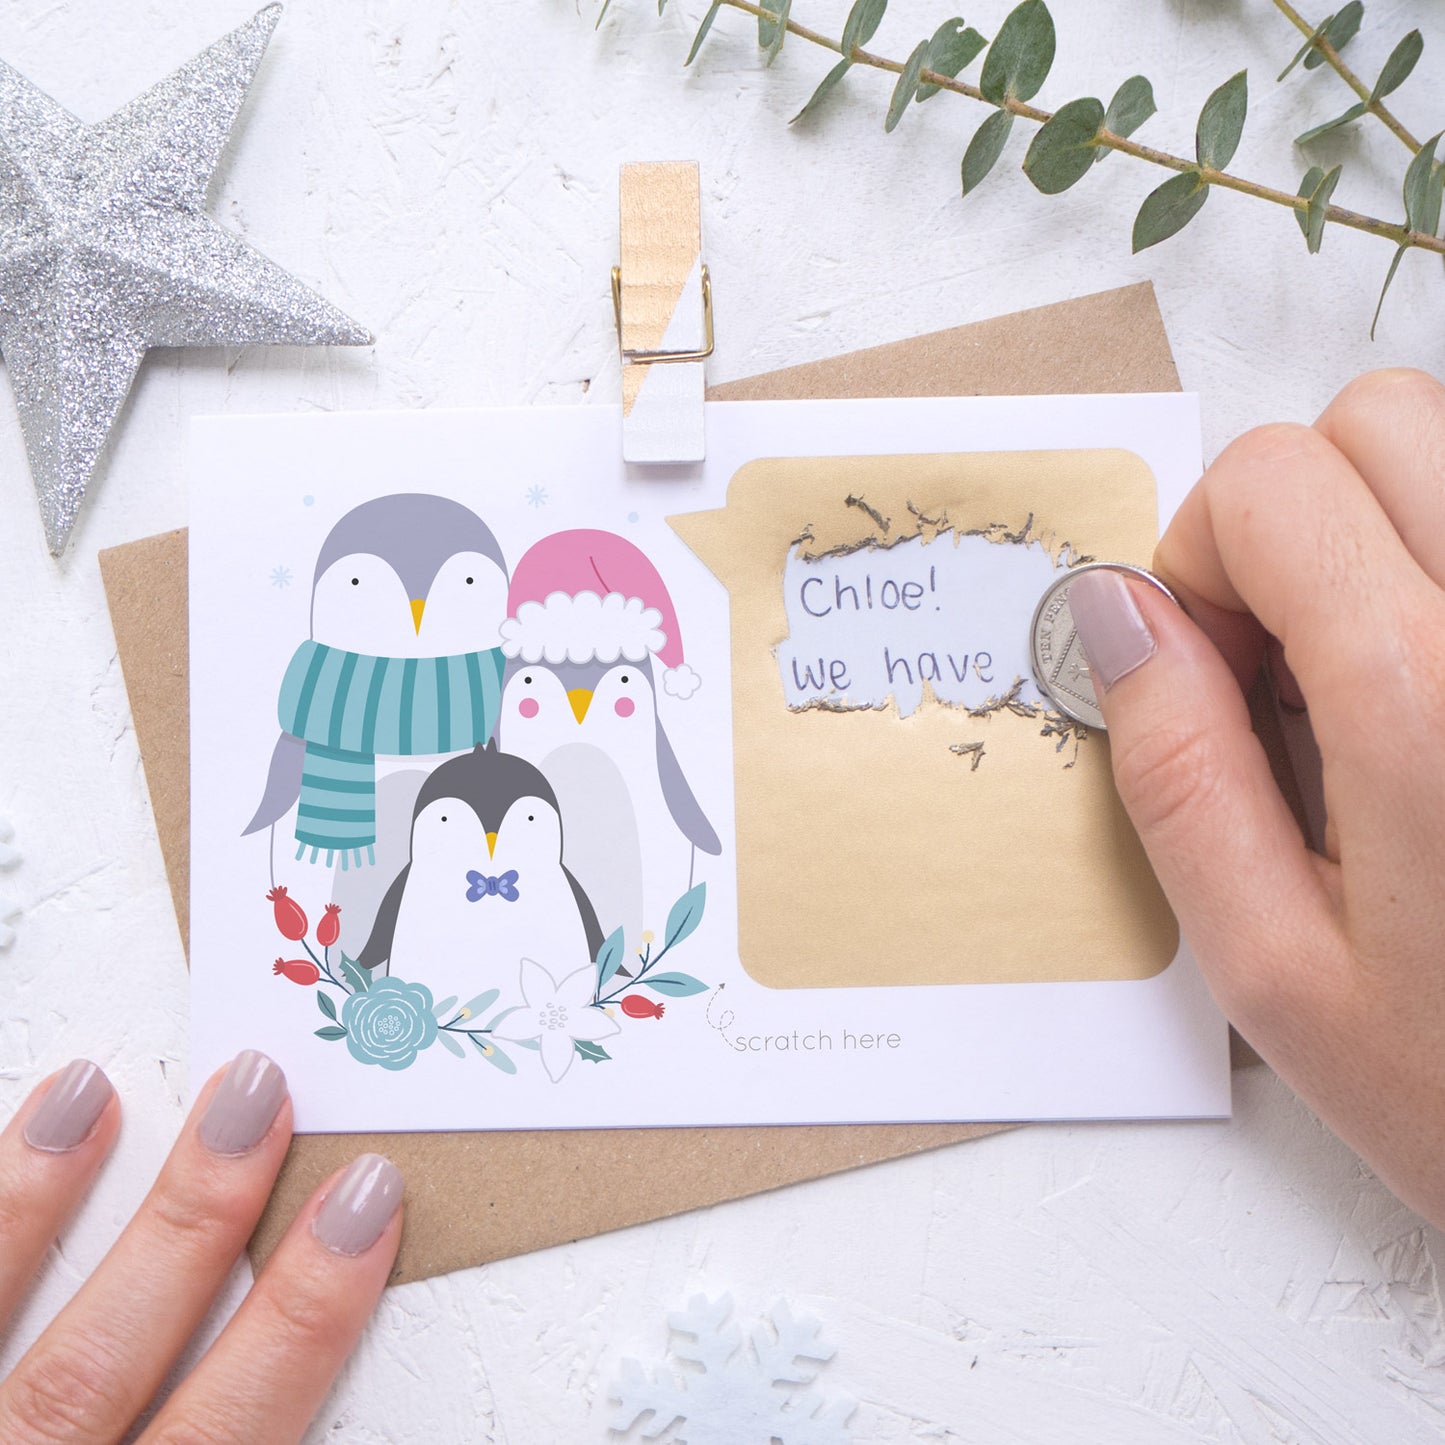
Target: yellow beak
{"points": [[491, 845], [581, 700], [418, 606]]}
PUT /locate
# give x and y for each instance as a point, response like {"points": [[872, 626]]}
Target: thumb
{"points": [[1197, 785]]}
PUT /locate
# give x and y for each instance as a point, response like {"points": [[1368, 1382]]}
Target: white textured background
{"points": [[447, 172]]}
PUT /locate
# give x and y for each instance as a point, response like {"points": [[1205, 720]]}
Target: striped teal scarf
{"points": [[348, 707]]}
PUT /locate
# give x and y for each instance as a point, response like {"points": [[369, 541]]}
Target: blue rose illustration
{"points": [[389, 1024]]}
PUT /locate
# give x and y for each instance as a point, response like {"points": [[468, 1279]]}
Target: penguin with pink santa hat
{"points": [[590, 635]]}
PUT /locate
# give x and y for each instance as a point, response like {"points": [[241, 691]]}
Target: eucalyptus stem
{"points": [[1401, 235], [1335, 61]]}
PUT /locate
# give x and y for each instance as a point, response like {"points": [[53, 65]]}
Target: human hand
{"points": [[1330, 539], [97, 1365]]}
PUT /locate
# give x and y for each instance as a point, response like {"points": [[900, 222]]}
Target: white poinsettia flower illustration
{"points": [[556, 1015]]}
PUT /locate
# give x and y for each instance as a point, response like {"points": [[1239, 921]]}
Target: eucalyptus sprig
{"points": [[1070, 140]]}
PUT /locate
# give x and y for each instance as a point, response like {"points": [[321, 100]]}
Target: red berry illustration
{"points": [[635, 1006], [290, 916], [329, 929], [298, 970]]}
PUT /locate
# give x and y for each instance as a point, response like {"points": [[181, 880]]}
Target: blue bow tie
{"points": [[504, 887]]}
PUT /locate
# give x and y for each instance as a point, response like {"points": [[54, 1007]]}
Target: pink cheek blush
{"points": [[624, 707], [528, 707]]}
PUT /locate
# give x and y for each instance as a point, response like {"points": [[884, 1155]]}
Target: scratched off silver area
{"points": [[1060, 667]]}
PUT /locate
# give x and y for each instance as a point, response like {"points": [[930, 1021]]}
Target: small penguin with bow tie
{"points": [[485, 885]]}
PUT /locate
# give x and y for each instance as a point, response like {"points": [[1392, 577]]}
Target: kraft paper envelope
{"points": [[477, 1197]]}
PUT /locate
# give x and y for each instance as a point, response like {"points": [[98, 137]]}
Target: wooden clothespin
{"points": [[662, 298]]}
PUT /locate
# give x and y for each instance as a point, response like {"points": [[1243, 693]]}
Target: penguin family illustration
{"points": [[479, 757]]}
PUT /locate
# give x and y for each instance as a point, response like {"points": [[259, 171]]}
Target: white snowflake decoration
{"points": [[735, 1398], [9, 857]]}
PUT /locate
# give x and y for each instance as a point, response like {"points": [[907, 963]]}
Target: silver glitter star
{"points": [[106, 249]]}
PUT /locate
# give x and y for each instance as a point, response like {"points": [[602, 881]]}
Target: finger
{"points": [[1284, 527], [1197, 786], [49, 1153], [265, 1377], [92, 1371], [1391, 427]]}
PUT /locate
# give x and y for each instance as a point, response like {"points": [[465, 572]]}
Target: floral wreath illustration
{"points": [[388, 1022]]}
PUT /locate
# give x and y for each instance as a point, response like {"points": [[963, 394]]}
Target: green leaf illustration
{"points": [[479, 1005], [1132, 105], [450, 1044], [906, 87], [1318, 185], [323, 1002], [985, 148], [686, 914], [357, 979], [609, 957], [593, 1053], [444, 1007], [1169, 209], [674, 985], [1337, 31], [493, 1054], [953, 46], [1019, 60], [702, 31], [862, 23], [1063, 149], [1315, 132], [824, 86], [1396, 70], [1221, 122], [332, 1033]]}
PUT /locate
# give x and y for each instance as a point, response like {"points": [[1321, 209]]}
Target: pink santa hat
{"points": [[587, 595]]}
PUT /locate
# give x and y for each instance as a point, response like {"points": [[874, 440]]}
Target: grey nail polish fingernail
{"points": [[70, 1109], [1115, 637], [360, 1206], [243, 1106]]}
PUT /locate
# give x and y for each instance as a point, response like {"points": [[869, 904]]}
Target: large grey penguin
{"points": [[486, 884], [401, 664]]}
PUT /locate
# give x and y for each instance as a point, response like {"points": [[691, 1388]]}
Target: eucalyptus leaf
{"points": [[685, 914], [1337, 32], [954, 45], [862, 24], [451, 1044], [1305, 49], [1396, 70], [1018, 61], [1318, 186], [773, 26], [331, 1033], [1063, 150], [702, 31], [1389, 277], [907, 86], [1132, 105], [324, 1003], [479, 1005], [1423, 183], [985, 148], [821, 93], [441, 1009], [1167, 210], [1314, 133], [602, 14], [1221, 122]]}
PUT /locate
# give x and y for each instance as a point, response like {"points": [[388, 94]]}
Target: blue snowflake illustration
{"points": [[280, 576], [537, 496]]}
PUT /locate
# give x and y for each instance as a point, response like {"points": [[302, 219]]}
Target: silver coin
{"points": [[1060, 667]]}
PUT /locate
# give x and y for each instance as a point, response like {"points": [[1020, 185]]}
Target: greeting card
{"points": [[532, 790]]}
